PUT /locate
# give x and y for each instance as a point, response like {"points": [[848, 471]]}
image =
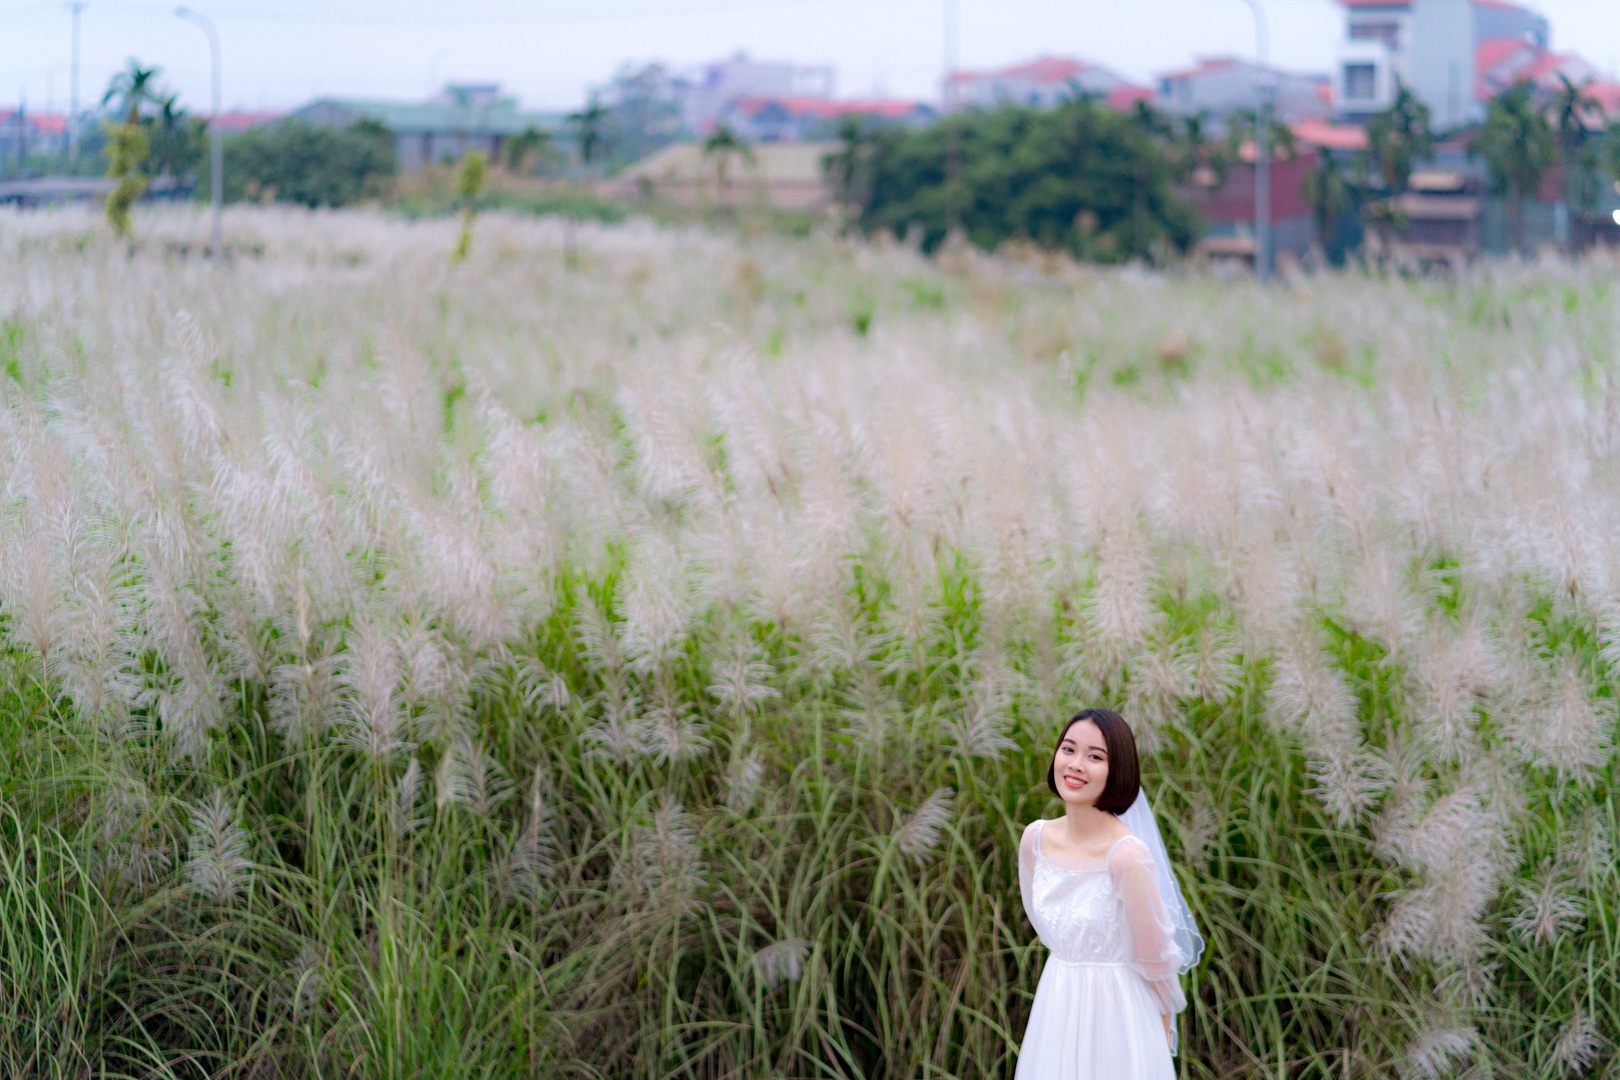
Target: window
{"points": [[1360, 82], [1387, 32]]}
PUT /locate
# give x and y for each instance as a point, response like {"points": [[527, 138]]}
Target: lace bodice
{"points": [[1110, 913]]}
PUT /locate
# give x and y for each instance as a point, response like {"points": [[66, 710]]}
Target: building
{"points": [[1434, 224], [706, 92], [24, 133], [808, 119], [1450, 53], [1221, 86], [462, 118], [231, 123], [1042, 82], [1228, 208]]}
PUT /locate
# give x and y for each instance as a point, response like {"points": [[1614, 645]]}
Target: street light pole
{"points": [[1262, 148], [216, 146], [73, 89], [953, 136]]}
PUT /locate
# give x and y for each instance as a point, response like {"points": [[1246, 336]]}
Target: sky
{"points": [[278, 54]]}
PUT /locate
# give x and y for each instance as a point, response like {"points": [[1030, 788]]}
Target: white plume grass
{"points": [[218, 866]]}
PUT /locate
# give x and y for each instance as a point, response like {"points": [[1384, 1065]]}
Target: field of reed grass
{"points": [[634, 651]]}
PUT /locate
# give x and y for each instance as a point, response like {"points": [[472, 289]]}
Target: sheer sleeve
{"points": [[1026, 867], [1158, 958]]}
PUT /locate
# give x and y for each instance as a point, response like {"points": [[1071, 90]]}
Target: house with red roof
{"points": [[24, 133], [1042, 82]]}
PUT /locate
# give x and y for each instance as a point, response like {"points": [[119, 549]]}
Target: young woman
{"points": [[1098, 889]]}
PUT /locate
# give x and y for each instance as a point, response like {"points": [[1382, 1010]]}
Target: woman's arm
{"points": [[1158, 958]]}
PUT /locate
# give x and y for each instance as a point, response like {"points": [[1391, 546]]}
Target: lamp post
{"points": [[73, 85], [1262, 148], [216, 157], [953, 136]]}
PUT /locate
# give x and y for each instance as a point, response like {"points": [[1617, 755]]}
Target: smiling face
{"points": [[1080, 765]]}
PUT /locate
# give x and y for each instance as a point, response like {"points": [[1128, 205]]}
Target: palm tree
{"points": [[127, 142], [1329, 195], [1243, 126], [1196, 157], [531, 147], [171, 138], [590, 123], [1398, 138], [848, 168], [1519, 146], [133, 87], [720, 147], [1573, 110]]}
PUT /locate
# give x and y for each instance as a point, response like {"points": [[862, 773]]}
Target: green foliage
{"points": [[1577, 123], [129, 143], [1398, 138], [1519, 147], [591, 132], [299, 162], [529, 150], [1329, 194], [178, 140], [469, 182], [1079, 177], [126, 150], [721, 147], [132, 90]]}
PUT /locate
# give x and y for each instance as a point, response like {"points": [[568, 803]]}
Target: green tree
{"points": [[127, 141], [1577, 119], [1519, 147], [848, 169], [1241, 127], [529, 149], [720, 148], [132, 89], [1398, 138], [1330, 196], [177, 139], [299, 162], [590, 131], [1078, 177], [1193, 155]]}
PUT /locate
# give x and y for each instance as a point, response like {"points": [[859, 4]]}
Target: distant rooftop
{"points": [[1045, 70]]}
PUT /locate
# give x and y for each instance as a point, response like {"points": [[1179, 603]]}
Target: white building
{"points": [[1221, 86], [1042, 82], [710, 88], [1436, 48]]}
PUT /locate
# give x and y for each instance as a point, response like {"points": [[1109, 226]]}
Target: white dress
{"points": [[1112, 972]]}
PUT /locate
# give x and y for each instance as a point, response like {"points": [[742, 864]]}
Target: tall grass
{"points": [[637, 655]]}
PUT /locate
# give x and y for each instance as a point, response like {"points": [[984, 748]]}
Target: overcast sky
{"points": [[280, 53]]}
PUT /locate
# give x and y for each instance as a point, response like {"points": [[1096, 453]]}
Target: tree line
{"points": [[1109, 185], [1103, 184]]}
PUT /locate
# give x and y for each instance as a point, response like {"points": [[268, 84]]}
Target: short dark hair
{"points": [[1124, 769]]}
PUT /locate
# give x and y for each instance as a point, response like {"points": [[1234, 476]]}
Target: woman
{"points": [[1097, 888]]}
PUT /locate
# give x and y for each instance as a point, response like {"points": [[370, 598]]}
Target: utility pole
{"points": [[1262, 147], [216, 160], [73, 89], [953, 135]]}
